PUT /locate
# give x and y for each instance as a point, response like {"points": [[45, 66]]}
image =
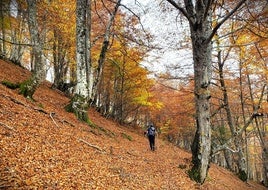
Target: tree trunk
{"points": [[60, 65], [29, 87], [241, 162], [89, 68], [79, 103], [103, 52], [2, 16], [81, 49], [200, 27], [238, 139], [261, 132], [265, 165], [17, 50], [201, 147], [198, 14]]}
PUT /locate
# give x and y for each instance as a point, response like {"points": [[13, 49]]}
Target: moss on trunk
{"points": [[79, 107], [242, 175], [28, 88]]}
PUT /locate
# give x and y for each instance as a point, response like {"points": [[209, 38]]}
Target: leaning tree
{"points": [[29, 87]]}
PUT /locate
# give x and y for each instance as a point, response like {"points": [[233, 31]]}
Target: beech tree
{"points": [[225, 104], [61, 38], [103, 51], [17, 27], [3, 7], [29, 87], [246, 36], [198, 15], [79, 103]]}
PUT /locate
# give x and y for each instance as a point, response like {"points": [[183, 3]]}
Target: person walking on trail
{"points": [[151, 132]]}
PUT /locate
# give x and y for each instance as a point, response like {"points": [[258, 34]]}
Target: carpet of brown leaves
{"points": [[44, 147]]}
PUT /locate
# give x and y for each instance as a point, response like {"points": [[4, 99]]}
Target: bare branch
{"points": [[237, 133], [208, 7], [233, 151], [180, 9], [143, 29], [51, 116], [224, 19], [91, 145], [10, 128]]}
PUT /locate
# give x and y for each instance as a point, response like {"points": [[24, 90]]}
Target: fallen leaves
{"points": [[51, 149]]}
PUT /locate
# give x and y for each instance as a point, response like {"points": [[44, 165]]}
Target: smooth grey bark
{"points": [[241, 161], [3, 30], [226, 105], [238, 139], [17, 49], [198, 14], [103, 52], [89, 68], [81, 48], [261, 132], [79, 103], [199, 18], [29, 87], [262, 136]]}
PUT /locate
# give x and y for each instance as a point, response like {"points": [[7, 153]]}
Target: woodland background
{"points": [[127, 92]]}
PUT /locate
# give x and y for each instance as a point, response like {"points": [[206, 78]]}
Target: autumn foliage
{"points": [[44, 147]]}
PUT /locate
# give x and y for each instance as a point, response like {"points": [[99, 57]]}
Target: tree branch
{"points": [[180, 9], [208, 7], [51, 116], [224, 19], [10, 128], [237, 133], [91, 145]]}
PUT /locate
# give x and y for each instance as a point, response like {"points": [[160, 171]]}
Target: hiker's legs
{"points": [[151, 141]]}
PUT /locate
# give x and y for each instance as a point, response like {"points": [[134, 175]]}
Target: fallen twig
{"points": [[34, 108], [40, 110], [10, 128], [131, 153], [23, 104], [65, 121], [51, 116], [91, 145]]}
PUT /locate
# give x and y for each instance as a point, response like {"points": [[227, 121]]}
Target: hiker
{"points": [[151, 132]]}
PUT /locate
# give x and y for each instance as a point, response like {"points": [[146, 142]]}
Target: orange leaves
{"points": [[176, 115], [39, 155]]}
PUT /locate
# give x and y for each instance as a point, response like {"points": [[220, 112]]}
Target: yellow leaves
{"points": [[142, 100]]}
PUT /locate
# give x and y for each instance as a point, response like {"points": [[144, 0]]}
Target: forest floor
{"points": [[44, 147]]}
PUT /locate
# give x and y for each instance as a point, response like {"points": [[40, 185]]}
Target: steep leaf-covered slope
{"points": [[44, 147]]}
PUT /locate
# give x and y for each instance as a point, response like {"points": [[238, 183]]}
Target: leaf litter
{"points": [[44, 147]]}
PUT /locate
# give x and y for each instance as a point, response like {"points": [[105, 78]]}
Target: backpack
{"points": [[151, 131]]}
